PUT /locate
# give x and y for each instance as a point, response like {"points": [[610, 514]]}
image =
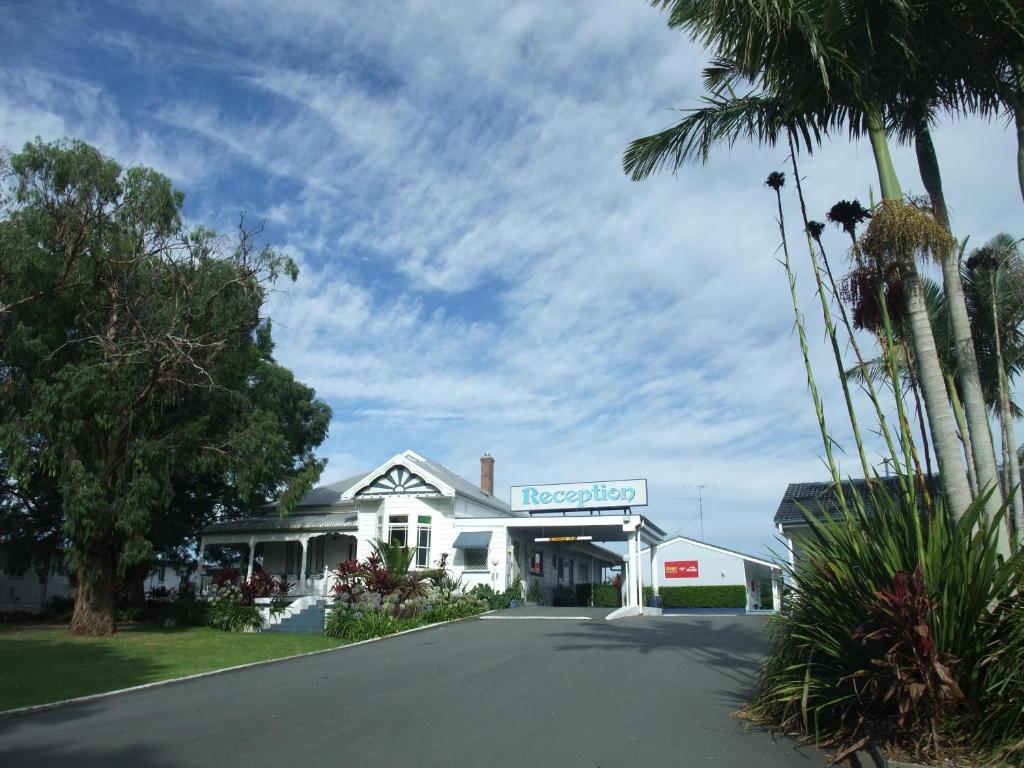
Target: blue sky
{"points": [[477, 273]]}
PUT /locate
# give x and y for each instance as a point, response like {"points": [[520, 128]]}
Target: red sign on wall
{"points": [[681, 569]]}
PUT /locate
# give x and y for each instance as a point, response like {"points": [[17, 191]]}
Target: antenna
{"points": [[699, 498]]}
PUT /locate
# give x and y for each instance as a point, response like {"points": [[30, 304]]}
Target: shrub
{"points": [[715, 596], [495, 600], [533, 594], [229, 611], [606, 595], [902, 626], [59, 608], [189, 613], [564, 596], [356, 625], [369, 615], [583, 594]]}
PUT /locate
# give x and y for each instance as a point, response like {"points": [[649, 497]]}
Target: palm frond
{"points": [[723, 119]]}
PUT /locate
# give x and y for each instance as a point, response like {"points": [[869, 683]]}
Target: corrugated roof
{"points": [[820, 498], [328, 521], [330, 495]]}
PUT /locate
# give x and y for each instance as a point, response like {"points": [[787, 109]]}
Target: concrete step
{"points": [[310, 620]]}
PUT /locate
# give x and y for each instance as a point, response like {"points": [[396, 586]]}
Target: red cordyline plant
{"points": [[910, 673]]}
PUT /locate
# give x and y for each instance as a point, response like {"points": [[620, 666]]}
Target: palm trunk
{"points": [[1015, 481], [919, 410], [1018, 118], [1015, 98], [94, 600], [950, 459], [928, 164], [1010, 464], [961, 425], [978, 438]]}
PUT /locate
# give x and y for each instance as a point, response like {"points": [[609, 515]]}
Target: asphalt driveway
{"points": [[495, 692]]}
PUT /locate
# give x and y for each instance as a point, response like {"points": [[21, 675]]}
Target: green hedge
{"points": [[725, 596], [606, 596]]}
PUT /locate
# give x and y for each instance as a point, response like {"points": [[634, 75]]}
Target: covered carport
{"points": [[586, 530]]}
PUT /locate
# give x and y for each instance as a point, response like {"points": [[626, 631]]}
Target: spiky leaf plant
{"points": [[841, 666]]}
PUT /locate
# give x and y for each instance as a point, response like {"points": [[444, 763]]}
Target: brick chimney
{"points": [[487, 474]]}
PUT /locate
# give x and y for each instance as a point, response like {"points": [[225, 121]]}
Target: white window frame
{"points": [[423, 526], [398, 523]]}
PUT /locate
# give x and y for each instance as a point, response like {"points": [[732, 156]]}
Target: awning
{"points": [[472, 540]]}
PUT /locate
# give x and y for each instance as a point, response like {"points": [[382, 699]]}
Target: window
{"points": [[561, 569], [572, 571], [537, 563], [584, 570], [398, 530], [423, 541], [315, 556], [475, 559]]}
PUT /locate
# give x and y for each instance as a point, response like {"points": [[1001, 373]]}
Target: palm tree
{"points": [[810, 67], [994, 285]]}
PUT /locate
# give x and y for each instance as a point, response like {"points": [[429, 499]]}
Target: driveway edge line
{"points": [[209, 673]]}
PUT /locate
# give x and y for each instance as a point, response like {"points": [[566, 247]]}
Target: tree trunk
{"points": [[1018, 118], [978, 440], [1010, 464], [928, 164], [1015, 489], [929, 371], [961, 425], [887, 179], [94, 600], [1017, 107], [947, 452]]}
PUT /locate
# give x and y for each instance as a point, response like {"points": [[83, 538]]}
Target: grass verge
{"points": [[45, 664]]}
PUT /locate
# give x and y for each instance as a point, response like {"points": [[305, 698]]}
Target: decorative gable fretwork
{"points": [[398, 481]]}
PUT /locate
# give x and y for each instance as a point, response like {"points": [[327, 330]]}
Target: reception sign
{"points": [[682, 569], [604, 494]]}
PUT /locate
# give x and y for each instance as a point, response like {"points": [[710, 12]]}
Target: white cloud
{"points": [[477, 272]]}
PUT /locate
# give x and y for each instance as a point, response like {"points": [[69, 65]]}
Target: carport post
{"points": [[638, 581], [631, 572], [654, 569]]}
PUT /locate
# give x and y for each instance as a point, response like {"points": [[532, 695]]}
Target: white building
{"points": [[417, 502], [25, 591], [684, 562]]}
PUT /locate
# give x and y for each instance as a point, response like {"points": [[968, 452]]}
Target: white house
{"points": [[685, 562], [25, 591], [422, 504]]}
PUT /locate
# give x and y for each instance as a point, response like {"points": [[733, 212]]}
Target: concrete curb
{"points": [[210, 673]]}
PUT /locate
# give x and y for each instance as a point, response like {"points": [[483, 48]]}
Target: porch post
{"points": [[776, 592], [199, 566], [252, 555], [654, 569], [302, 563]]}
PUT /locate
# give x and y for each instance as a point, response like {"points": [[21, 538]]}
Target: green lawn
{"points": [[42, 664]]}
